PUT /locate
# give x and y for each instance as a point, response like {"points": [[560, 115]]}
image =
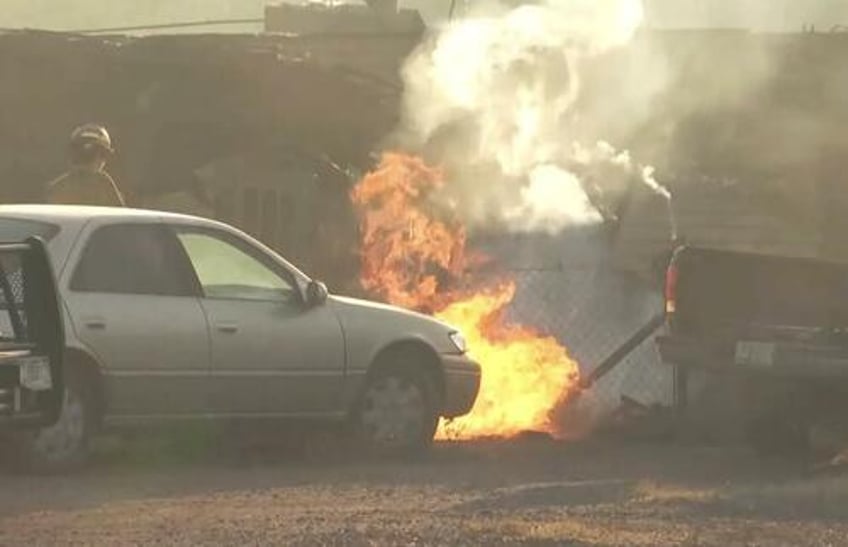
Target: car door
{"points": [[271, 354], [134, 303]]}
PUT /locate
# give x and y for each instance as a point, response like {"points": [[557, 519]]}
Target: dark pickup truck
{"points": [[31, 339], [777, 326]]}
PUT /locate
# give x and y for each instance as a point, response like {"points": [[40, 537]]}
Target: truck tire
{"points": [[396, 415], [64, 446]]}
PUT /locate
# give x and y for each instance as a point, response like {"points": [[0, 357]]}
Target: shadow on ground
{"points": [[514, 474], [194, 486]]}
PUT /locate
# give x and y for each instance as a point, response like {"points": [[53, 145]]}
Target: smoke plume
{"points": [[494, 99]]}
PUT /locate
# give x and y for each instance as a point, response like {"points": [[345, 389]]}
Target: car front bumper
{"points": [[462, 384]]}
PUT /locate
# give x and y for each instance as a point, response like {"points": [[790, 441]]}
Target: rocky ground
{"points": [[527, 492]]}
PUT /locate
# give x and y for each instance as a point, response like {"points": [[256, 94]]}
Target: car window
{"points": [[13, 230], [133, 259], [228, 268]]}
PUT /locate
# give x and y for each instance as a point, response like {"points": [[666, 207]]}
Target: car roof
{"points": [[76, 214], [72, 218]]}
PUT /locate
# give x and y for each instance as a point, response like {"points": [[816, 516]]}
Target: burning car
{"points": [[176, 317]]}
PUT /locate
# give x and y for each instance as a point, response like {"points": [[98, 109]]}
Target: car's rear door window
{"points": [[140, 259]]}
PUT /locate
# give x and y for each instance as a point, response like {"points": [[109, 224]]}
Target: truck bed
{"points": [[721, 293], [772, 334], [766, 313]]}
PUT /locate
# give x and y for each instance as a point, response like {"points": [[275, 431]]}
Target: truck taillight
{"points": [[671, 277]]}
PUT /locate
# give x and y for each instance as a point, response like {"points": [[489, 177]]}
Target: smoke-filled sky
{"points": [[780, 15]]}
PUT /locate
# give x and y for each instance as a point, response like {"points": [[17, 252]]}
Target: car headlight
{"points": [[459, 341]]}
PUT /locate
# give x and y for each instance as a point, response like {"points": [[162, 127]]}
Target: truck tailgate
{"points": [[728, 296]]}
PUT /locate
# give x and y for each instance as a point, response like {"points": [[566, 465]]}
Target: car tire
{"points": [[63, 446], [397, 413]]}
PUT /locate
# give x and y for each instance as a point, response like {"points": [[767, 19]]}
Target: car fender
{"points": [[370, 329]]}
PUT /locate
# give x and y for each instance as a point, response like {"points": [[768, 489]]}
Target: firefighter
{"points": [[87, 182]]}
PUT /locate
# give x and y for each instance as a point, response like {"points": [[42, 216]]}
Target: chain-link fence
{"points": [[566, 287]]}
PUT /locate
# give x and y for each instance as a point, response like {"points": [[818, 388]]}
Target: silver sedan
{"points": [[173, 317]]}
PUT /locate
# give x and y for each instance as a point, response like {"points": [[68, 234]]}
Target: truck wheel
{"points": [[397, 415], [64, 445]]}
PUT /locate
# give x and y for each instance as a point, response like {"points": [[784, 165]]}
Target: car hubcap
{"points": [[393, 412], [64, 438]]}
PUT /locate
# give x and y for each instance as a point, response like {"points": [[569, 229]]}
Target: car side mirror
{"points": [[316, 294]]}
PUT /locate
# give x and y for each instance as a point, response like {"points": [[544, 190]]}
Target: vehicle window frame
{"points": [[50, 232], [182, 267], [248, 248]]}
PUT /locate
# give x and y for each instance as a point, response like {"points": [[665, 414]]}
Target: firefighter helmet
{"points": [[92, 136]]}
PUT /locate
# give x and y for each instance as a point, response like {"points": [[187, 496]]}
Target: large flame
{"points": [[415, 256]]}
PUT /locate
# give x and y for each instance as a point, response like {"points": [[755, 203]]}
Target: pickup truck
{"points": [[31, 338], [776, 326]]}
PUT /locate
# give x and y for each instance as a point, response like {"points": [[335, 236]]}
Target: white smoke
{"points": [[552, 200], [496, 92]]}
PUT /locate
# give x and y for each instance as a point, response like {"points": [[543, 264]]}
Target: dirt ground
{"points": [[527, 492]]}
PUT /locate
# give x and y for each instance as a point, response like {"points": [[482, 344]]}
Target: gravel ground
{"points": [[528, 492]]}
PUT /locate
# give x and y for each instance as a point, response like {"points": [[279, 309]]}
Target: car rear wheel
{"points": [[64, 445], [397, 413]]}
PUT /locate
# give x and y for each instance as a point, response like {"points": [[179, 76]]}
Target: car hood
{"points": [[354, 305], [391, 321]]}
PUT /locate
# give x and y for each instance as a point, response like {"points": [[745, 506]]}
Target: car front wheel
{"points": [[397, 413]]}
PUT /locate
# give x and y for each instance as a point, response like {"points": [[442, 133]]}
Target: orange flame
{"points": [[412, 256]]}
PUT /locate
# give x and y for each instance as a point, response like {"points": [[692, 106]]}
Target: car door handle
{"points": [[227, 328]]}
